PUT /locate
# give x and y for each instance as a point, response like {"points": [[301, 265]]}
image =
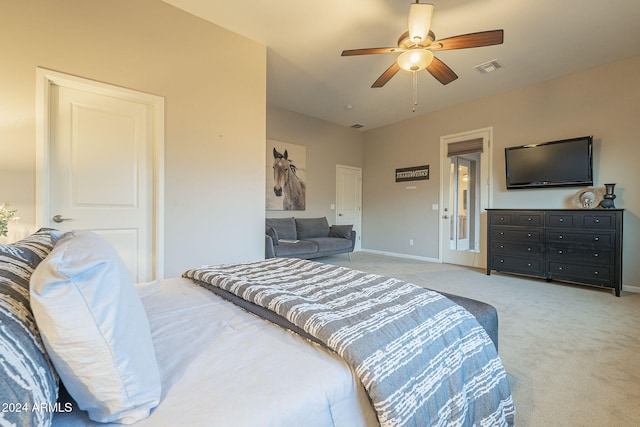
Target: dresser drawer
{"points": [[594, 239], [510, 248], [571, 253], [595, 274], [562, 220], [533, 266], [517, 234], [530, 218], [598, 220], [517, 218]]}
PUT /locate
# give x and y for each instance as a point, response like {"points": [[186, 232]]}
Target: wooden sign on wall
{"points": [[415, 173]]}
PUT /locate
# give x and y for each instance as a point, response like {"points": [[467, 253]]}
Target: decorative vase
{"points": [[607, 202]]}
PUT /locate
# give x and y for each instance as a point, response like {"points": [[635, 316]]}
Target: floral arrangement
{"points": [[6, 214]]}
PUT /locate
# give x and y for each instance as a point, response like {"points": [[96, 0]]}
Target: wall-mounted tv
{"points": [[568, 162]]}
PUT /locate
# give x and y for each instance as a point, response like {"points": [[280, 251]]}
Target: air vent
{"points": [[357, 126], [488, 67]]}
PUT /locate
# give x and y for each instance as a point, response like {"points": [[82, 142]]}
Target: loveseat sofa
{"points": [[306, 238]]}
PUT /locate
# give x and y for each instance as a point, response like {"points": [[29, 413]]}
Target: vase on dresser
{"points": [[607, 201]]}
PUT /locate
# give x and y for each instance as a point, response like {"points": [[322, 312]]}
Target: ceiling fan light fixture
{"points": [[415, 59], [420, 16]]}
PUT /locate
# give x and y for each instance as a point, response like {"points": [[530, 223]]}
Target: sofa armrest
{"points": [[268, 247], [353, 240]]}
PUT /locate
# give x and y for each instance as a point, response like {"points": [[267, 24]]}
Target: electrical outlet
{"points": [[410, 242]]}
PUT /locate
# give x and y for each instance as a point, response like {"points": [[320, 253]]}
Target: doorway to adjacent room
{"points": [[464, 195]]}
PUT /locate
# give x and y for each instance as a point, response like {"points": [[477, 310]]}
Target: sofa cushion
{"points": [[26, 376], [312, 227], [95, 329], [328, 244], [284, 227], [343, 231], [271, 232], [300, 248]]}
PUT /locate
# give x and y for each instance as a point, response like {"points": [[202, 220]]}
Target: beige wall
{"points": [[214, 104], [602, 102], [327, 146]]}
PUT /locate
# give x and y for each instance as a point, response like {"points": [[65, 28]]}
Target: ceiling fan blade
{"points": [[370, 51], [441, 71], [386, 76], [465, 41]]}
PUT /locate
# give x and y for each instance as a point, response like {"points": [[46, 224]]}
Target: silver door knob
{"points": [[59, 218]]}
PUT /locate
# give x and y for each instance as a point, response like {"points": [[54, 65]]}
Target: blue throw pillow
{"points": [[341, 231], [26, 376]]}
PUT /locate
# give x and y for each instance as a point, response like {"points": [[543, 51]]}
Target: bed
{"points": [[221, 366], [217, 363]]}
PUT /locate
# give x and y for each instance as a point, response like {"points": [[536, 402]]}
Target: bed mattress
{"points": [[221, 366]]}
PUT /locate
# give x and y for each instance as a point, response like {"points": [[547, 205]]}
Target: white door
{"points": [[101, 173], [464, 197], [349, 199]]}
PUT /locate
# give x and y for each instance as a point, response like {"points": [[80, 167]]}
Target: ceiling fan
{"points": [[417, 43]]}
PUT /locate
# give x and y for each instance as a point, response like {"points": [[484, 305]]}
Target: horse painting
{"points": [[287, 184]]}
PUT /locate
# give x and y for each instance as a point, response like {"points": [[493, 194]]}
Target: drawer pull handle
{"points": [[501, 260], [596, 239], [559, 268], [529, 249], [529, 219], [560, 236], [596, 255], [528, 234], [561, 219], [501, 218], [502, 233], [597, 221], [596, 273], [560, 252], [528, 264]]}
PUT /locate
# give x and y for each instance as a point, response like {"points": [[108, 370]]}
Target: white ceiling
{"points": [[543, 39]]}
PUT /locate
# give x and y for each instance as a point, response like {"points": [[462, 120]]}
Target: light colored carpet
{"points": [[572, 352]]}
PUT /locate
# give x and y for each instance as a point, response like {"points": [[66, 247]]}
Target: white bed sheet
{"points": [[221, 366]]}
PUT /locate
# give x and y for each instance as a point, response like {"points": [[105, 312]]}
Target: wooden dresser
{"points": [[574, 245]]}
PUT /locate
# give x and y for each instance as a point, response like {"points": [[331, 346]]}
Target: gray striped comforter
{"points": [[424, 360]]}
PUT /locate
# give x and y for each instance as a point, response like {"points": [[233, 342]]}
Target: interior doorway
{"points": [[100, 166], [464, 196], [349, 199]]}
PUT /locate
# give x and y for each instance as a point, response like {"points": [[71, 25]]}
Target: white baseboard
{"points": [[626, 288], [393, 254]]}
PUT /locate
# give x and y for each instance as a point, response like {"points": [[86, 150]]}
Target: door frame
{"points": [[485, 184], [45, 78]]}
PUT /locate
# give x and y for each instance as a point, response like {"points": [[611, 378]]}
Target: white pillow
{"points": [[95, 329]]}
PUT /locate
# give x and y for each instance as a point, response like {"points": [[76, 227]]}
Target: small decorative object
{"points": [[607, 201], [587, 198], [6, 214]]}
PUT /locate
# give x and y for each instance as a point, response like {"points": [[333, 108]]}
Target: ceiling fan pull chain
{"points": [[415, 91]]}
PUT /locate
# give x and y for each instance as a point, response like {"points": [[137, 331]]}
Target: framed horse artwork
{"points": [[286, 176]]}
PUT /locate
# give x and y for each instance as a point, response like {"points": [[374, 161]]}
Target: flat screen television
{"points": [[567, 162]]}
